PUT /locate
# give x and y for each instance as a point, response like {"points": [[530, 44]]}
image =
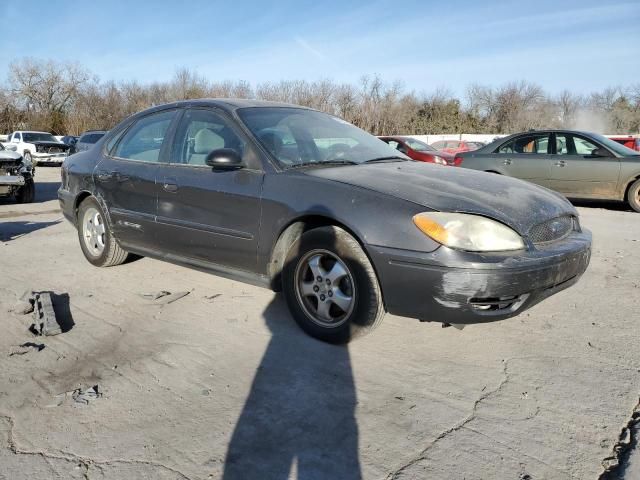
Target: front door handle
{"points": [[560, 163], [507, 161], [170, 185]]}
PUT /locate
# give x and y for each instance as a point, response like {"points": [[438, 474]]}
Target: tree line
{"points": [[66, 98]]}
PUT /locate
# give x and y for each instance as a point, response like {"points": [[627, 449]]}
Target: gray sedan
{"points": [[304, 202], [576, 164]]}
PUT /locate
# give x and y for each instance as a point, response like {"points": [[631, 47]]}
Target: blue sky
{"points": [[580, 45]]}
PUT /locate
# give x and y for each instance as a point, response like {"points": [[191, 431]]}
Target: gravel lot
{"points": [[222, 383]]}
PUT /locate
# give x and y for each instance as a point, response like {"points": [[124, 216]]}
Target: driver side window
{"points": [[201, 132], [583, 146]]}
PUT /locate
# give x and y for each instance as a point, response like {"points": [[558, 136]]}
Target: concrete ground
{"points": [[222, 383]]}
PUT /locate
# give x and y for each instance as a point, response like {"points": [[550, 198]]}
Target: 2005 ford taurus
{"points": [[304, 202]]}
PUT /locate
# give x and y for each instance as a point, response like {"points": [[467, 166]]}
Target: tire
{"points": [[633, 195], [98, 245], [324, 260], [27, 192]]}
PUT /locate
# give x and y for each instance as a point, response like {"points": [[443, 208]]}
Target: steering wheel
{"points": [[337, 151]]}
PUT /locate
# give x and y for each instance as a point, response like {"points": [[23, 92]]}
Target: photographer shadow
{"points": [[300, 413]]}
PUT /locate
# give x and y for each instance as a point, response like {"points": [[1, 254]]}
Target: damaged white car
{"points": [[16, 177], [39, 147]]}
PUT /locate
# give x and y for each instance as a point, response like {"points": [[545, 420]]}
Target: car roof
{"points": [[93, 131], [228, 104], [31, 131]]}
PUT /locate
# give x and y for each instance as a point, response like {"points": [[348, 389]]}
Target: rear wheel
{"points": [[97, 243], [27, 192], [633, 195], [331, 287]]}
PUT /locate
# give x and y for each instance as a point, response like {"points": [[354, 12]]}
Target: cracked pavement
{"points": [[222, 384]]}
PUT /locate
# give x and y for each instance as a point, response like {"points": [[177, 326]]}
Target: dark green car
{"points": [[576, 164]]}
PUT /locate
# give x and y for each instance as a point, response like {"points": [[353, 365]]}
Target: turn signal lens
{"points": [[431, 228]]}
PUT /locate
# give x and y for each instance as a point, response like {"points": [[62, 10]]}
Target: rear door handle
{"points": [[507, 161], [105, 176], [560, 163]]}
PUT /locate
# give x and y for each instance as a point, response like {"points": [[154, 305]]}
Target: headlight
{"points": [[439, 160], [468, 232]]}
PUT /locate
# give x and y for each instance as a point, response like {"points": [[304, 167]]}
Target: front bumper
{"points": [[12, 180], [457, 287], [45, 158]]}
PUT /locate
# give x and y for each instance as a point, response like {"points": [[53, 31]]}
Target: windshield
{"points": [[419, 146], [296, 137], [615, 146], [37, 137]]}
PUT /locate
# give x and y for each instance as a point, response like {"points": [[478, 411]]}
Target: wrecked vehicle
{"points": [[16, 177], [39, 148], [301, 201]]}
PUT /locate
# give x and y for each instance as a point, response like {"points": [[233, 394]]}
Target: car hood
{"points": [[513, 202], [50, 144], [9, 156]]}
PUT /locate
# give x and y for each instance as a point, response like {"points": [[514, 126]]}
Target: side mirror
{"points": [[224, 159], [600, 152]]}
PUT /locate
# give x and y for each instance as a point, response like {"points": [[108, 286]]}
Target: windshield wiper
{"points": [[386, 159], [325, 162]]}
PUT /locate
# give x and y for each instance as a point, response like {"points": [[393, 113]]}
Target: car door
{"points": [[210, 215], [126, 178], [526, 157], [576, 171]]}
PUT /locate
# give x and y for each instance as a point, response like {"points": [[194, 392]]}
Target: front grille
{"points": [[552, 230], [56, 150]]}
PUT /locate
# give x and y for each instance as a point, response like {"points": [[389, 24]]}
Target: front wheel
{"points": [[331, 287], [97, 242], [633, 195]]}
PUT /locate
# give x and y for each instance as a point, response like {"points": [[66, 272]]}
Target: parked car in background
{"points": [[16, 177], [70, 140], [456, 146], [576, 164], [418, 150], [629, 141], [302, 201], [87, 140], [39, 148]]}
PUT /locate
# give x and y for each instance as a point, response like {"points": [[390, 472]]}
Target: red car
{"points": [[629, 141], [418, 150], [456, 146]]}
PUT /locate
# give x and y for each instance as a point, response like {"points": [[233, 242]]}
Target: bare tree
{"points": [[47, 89]]}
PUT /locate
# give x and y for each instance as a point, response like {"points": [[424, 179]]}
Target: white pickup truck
{"points": [[38, 148]]}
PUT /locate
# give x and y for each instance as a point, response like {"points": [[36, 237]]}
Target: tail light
{"points": [[457, 160]]}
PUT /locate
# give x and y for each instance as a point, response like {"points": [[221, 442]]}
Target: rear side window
{"points": [[536, 143], [144, 139], [438, 145]]}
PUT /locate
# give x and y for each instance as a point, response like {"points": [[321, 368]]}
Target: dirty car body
{"points": [[300, 171], [16, 176]]}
